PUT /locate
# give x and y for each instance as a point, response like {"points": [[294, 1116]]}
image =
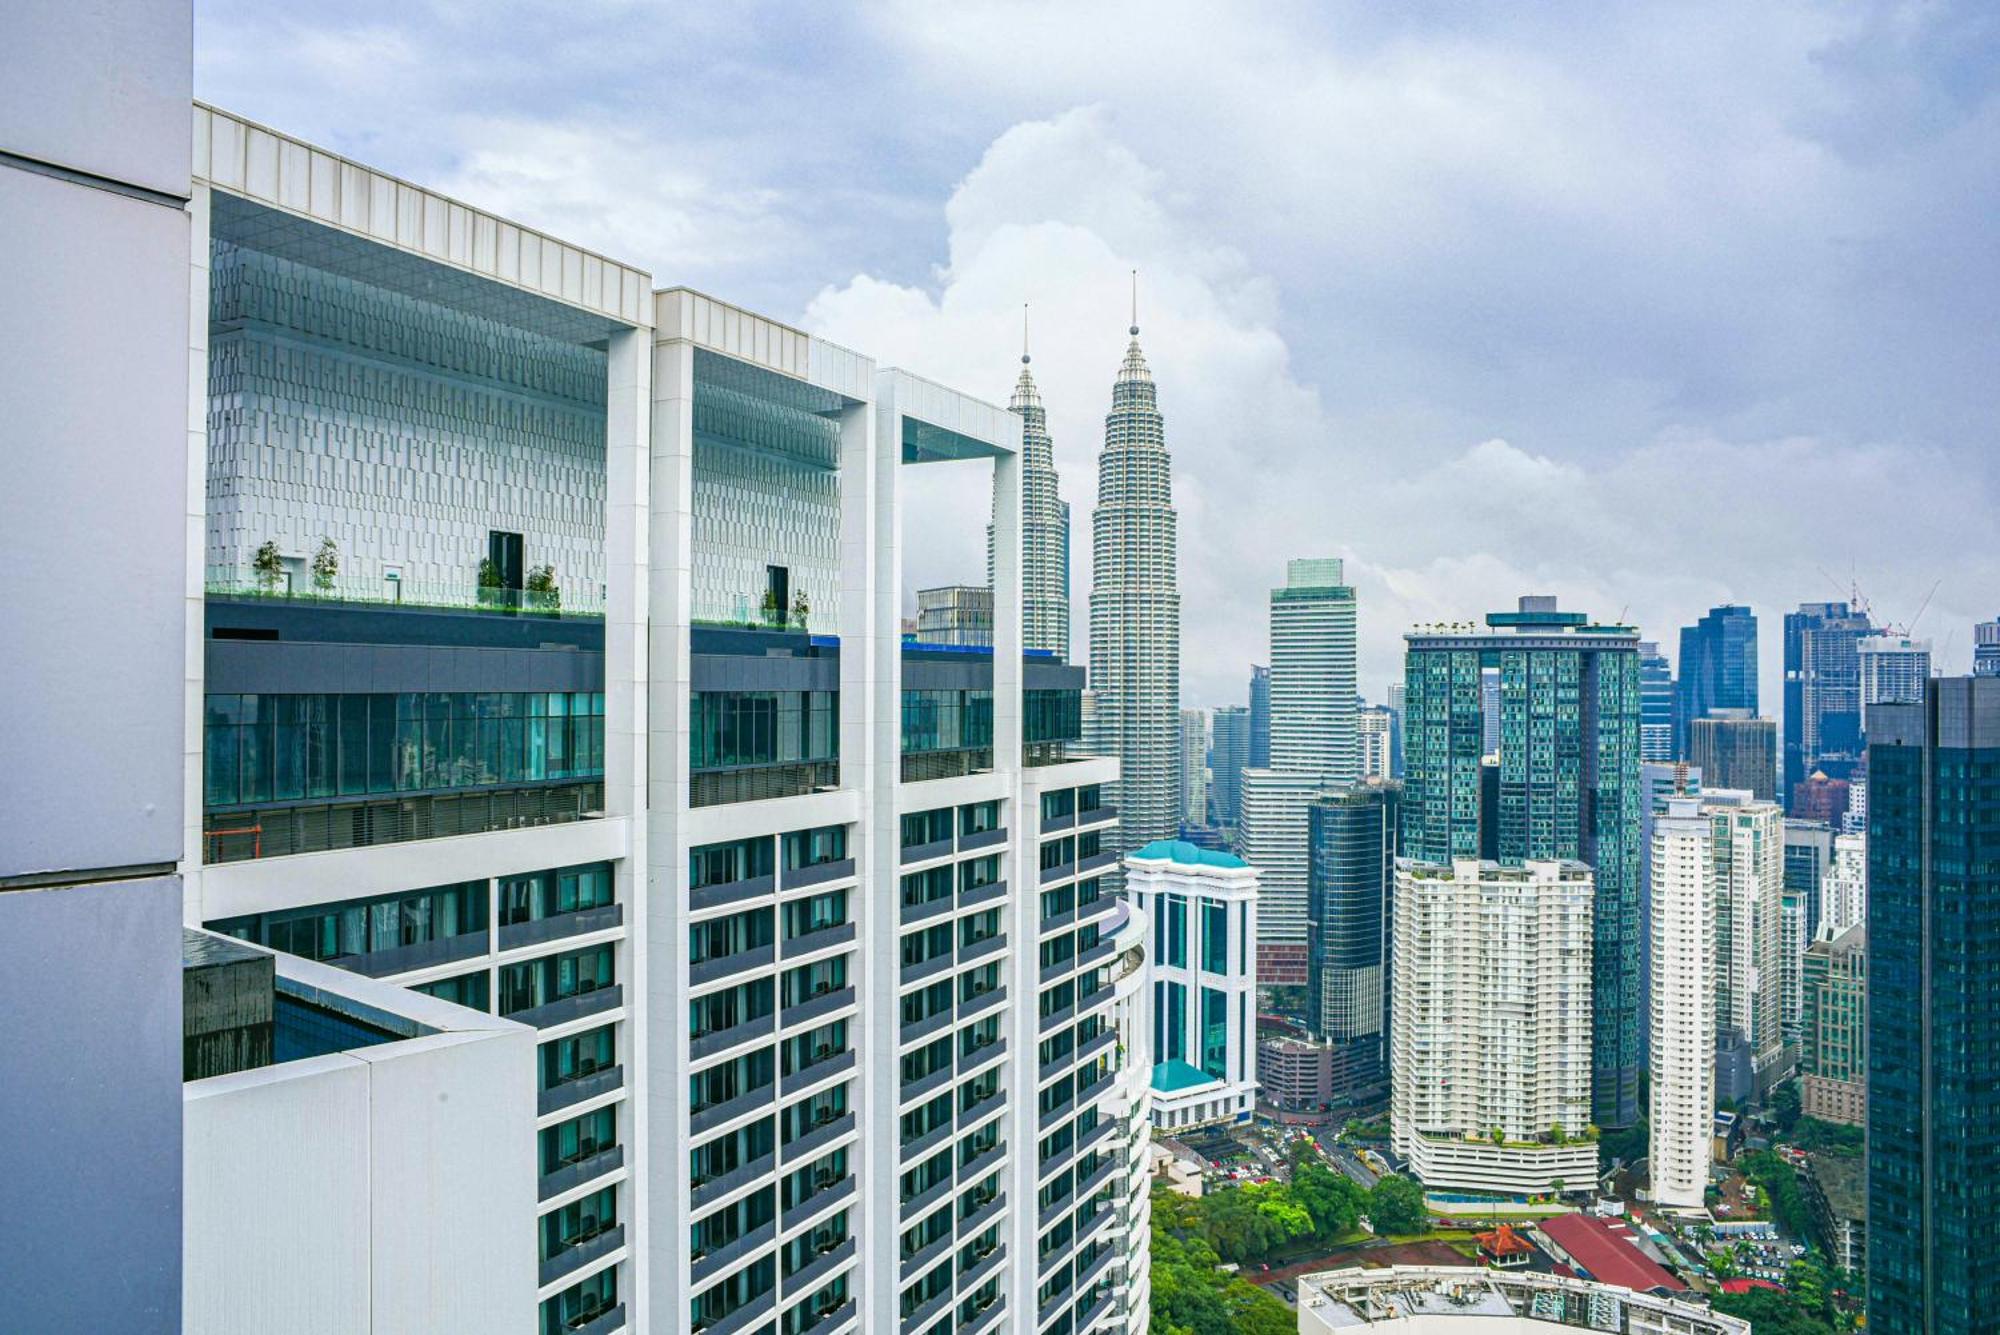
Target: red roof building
{"points": [[1604, 1250], [1504, 1247], [1745, 1285]]}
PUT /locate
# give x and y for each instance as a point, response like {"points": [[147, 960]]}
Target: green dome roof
{"points": [[1189, 855]]}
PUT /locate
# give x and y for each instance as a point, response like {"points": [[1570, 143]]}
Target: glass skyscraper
{"points": [[1822, 691], [1228, 757], [1657, 706], [1044, 527], [1933, 1008], [1567, 786], [1260, 717], [1718, 667], [1353, 866]]}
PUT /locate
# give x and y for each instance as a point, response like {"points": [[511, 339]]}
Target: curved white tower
{"points": [[1135, 608]]}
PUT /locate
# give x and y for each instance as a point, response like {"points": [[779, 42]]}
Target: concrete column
{"points": [[195, 588], [662, 919], [627, 502], [1007, 631]]}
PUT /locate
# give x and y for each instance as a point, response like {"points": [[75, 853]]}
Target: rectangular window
{"points": [[978, 817], [1215, 1033], [1215, 938], [724, 864], [1176, 950], [812, 848], [926, 827]]}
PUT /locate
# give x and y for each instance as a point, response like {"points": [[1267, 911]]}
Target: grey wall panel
{"points": [[90, 1096]]}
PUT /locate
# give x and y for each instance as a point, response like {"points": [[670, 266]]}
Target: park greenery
{"points": [[1778, 1183]]}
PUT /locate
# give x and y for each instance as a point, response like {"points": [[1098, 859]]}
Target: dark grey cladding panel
{"points": [[764, 672], [1047, 674], [1896, 725], [1968, 710], [278, 667], [288, 620]]}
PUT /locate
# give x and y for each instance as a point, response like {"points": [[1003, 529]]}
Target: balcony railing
{"points": [[759, 783], [242, 834], [465, 595]]}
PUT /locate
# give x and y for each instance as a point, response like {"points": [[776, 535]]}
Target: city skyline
{"points": [[1048, 184]]}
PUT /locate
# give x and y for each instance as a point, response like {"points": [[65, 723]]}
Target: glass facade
{"points": [[1933, 999], [533, 983], [267, 748], [545, 894], [1351, 875], [732, 729], [363, 926]]}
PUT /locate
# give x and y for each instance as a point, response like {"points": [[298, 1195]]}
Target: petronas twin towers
{"points": [[1135, 603]]}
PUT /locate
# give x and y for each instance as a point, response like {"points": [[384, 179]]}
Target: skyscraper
{"points": [[1044, 526], [1656, 704], [956, 614], [1718, 667], [1228, 757], [1734, 750], [1260, 717], [1833, 1057], [1682, 1011], [1194, 767], [1313, 745], [1822, 723], [1135, 608], [1657, 782], [1808, 859], [1375, 737], [1893, 671], [1571, 689], [1933, 1009], [1352, 837]]}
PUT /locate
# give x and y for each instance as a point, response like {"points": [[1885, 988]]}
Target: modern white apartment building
{"points": [[1130, 1106], [1374, 733], [1682, 928], [1489, 1024], [1202, 906], [536, 647], [1749, 853], [1844, 901], [1894, 669]]}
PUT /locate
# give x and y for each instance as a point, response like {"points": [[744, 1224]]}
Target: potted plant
{"points": [[325, 566], [542, 584], [268, 567], [489, 582], [773, 612], [801, 609]]}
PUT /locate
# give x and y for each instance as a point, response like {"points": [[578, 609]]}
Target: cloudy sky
{"points": [[1651, 307]]}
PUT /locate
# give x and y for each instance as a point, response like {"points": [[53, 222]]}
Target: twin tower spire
{"points": [[1134, 596]]}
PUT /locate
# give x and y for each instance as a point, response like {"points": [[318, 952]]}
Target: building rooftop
{"points": [[1438, 1298], [1187, 854], [1843, 1180], [1171, 1077], [1604, 1249]]}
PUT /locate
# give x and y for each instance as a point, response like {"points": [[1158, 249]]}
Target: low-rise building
{"points": [[1294, 1074], [1438, 1300], [1836, 1192], [1605, 1250]]}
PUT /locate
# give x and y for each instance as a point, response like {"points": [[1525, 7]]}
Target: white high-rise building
{"points": [[592, 721], [1314, 747], [1489, 1024], [1194, 767], [1374, 728], [1682, 928], [1894, 669], [1749, 854], [1135, 608], [1844, 892], [1202, 909]]}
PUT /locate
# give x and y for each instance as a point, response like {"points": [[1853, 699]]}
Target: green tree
{"points": [[1396, 1205], [1332, 1199], [1773, 1312], [1191, 1294]]}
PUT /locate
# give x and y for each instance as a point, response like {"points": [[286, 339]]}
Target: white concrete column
{"points": [[627, 500], [663, 915], [1007, 631], [195, 589]]}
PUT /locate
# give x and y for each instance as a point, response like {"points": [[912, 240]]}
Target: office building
{"points": [[1844, 888], [1566, 786], [1682, 1047], [1490, 1024], [1792, 941], [1201, 908], [1135, 609], [1833, 1057], [1986, 648], [1734, 750], [539, 657], [1808, 859], [1352, 866], [1632, 1295], [1855, 819], [1718, 667], [1934, 976], [1274, 829], [1260, 717], [1822, 723], [1044, 526], [1657, 706], [1893, 671], [1749, 855], [1489, 711], [94, 191], [1194, 767], [959, 615], [1313, 745], [1375, 736], [1228, 757]]}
